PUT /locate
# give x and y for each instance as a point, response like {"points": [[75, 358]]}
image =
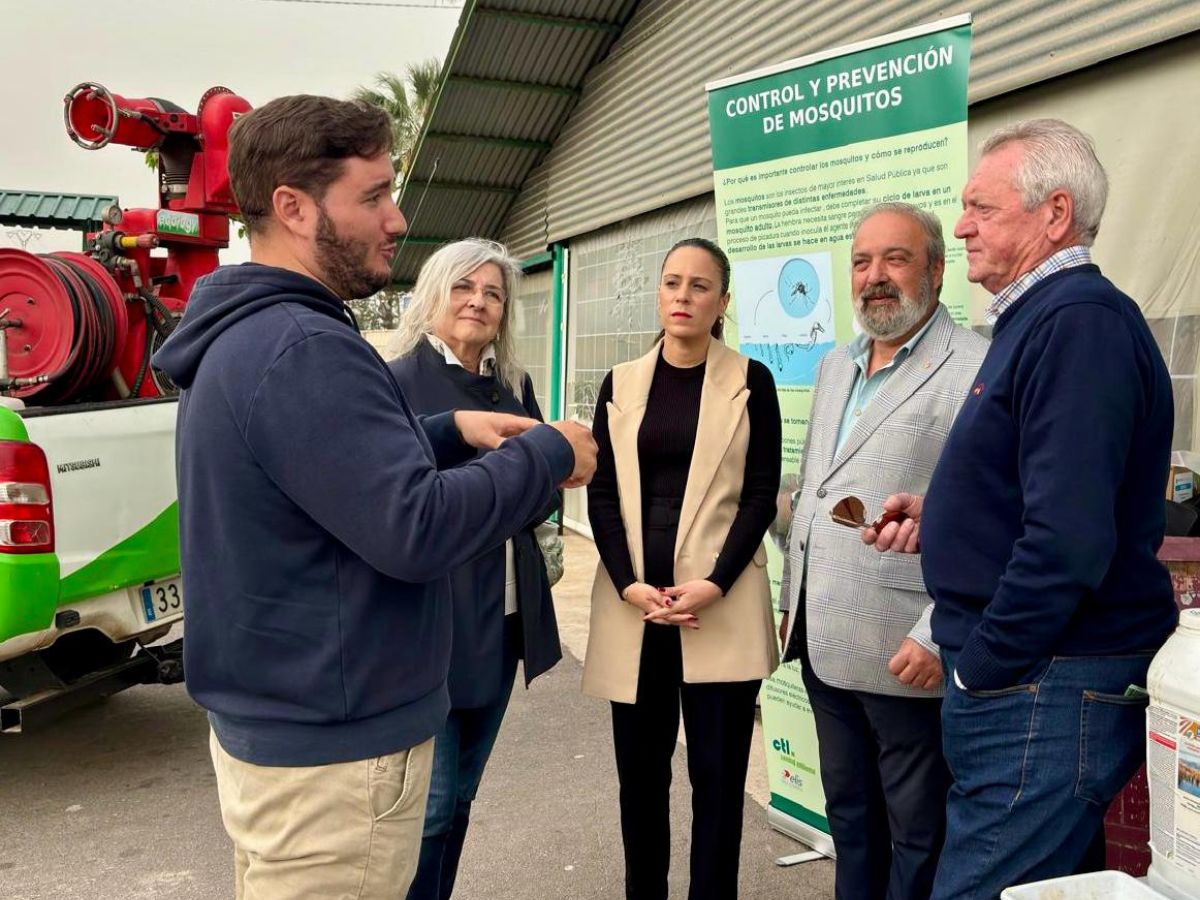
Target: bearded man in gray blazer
{"points": [[882, 408]]}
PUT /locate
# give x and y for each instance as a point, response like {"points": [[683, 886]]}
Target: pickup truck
{"points": [[89, 522], [89, 554]]}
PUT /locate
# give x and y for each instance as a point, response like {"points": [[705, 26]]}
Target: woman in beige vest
{"points": [[685, 488]]}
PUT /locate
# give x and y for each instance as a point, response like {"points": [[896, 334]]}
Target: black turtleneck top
{"points": [[666, 439]]}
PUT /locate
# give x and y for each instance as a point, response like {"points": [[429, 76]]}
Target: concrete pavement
{"points": [[118, 801]]}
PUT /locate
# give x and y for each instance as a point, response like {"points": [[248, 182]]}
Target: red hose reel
{"points": [[83, 326], [69, 331]]}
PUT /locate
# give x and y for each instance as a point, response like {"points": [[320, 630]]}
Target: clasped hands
{"points": [[676, 605]]}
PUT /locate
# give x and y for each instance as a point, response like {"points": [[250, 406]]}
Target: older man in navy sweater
{"points": [[1041, 525]]}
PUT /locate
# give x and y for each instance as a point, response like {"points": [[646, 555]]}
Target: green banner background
{"points": [[922, 79], [787, 196]]}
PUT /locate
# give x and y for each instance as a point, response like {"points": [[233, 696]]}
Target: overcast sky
{"points": [[176, 50]]}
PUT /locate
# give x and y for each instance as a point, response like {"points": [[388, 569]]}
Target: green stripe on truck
{"points": [[11, 426], [28, 581], [29, 584], [149, 554]]}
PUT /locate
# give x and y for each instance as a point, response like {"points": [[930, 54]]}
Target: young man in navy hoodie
{"points": [[318, 520], [1041, 524]]}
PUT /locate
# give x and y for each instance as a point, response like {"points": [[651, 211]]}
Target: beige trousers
{"points": [[346, 831]]}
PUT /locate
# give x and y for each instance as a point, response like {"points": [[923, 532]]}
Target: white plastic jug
{"points": [[1173, 761]]}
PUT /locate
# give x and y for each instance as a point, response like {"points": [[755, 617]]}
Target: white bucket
{"points": [[1093, 886], [1173, 761]]}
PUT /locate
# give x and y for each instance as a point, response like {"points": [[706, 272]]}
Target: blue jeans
{"points": [[460, 753], [1035, 767]]}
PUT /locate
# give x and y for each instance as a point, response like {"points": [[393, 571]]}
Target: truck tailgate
{"points": [[112, 476]]}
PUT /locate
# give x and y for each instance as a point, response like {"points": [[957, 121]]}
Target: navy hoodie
{"points": [[316, 532]]}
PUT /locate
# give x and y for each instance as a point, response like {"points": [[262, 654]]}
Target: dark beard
{"points": [[342, 263]]}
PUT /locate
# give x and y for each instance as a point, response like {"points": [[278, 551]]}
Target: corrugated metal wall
{"points": [[525, 234], [1149, 243], [638, 140]]}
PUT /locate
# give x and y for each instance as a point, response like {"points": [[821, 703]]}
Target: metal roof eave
{"points": [[515, 95], [35, 209]]}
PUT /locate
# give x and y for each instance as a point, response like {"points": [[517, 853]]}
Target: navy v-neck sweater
{"points": [[1045, 511]]}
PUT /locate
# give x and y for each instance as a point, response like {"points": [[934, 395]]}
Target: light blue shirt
{"points": [[865, 388]]}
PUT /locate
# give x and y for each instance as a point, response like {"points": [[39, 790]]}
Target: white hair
{"points": [[1057, 156], [431, 300]]}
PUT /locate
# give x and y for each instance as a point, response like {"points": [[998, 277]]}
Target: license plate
{"points": [[162, 600]]}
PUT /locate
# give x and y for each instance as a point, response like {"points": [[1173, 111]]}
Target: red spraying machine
{"points": [[83, 326]]}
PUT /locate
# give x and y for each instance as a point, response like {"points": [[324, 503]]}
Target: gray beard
{"points": [[882, 326]]}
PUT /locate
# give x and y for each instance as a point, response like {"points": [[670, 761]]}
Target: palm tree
{"points": [[406, 100]]}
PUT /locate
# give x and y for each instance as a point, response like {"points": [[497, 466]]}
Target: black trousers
{"points": [[718, 720], [885, 783]]}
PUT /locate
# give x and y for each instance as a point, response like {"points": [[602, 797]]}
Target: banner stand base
{"points": [[797, 858], [820, 842]]}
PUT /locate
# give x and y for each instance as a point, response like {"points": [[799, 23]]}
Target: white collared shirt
{"points": [[487, 366], [487, 359]]}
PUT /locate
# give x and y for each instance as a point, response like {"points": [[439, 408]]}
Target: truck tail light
{"points": [[26, 510]]}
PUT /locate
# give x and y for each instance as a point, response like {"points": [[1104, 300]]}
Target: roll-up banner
{"points": [[799, 150]]}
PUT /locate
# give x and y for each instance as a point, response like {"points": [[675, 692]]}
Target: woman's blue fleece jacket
{"points": [[316, 531]]}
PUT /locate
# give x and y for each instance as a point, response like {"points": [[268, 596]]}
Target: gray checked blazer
{"points": [[860, 604]]}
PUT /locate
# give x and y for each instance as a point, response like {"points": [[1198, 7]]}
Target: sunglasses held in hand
{"points": [[851, 513]]}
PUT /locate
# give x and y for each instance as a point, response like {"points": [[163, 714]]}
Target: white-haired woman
{"points": [[454, 350]]}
